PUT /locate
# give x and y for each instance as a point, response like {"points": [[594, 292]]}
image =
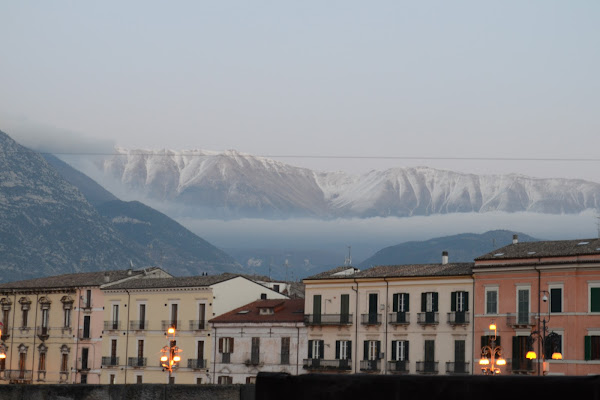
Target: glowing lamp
{"points": [[176, 358], [171, 331], [501, 361], [493, 327], [2, 355], [484, 361], [164, 359], [531, 355], [555, 356]]}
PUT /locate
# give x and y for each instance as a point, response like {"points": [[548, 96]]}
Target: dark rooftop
{"points": [[183, 281], [388, 271], [557, 248], [291, 310], [74, 280]]}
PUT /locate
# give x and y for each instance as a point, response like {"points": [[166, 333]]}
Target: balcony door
{"points": [[429, 356], [317, 309], [523, 306], [345, 309], [373, 308]]}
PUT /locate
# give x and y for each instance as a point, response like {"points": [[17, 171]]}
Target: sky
{"points": [[474, 86]]}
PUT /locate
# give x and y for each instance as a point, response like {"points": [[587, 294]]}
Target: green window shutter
{"points": [[366, 350], [406, 302], [337, 349], [378, 349], [556, 300], [349, 352], [466, 305], [595, 299], [423, 302], [317, 304], [453, 301], [435, 302], [406, 353], [394, 352], [321, 349], [310, 348], [395, 302], [345, 304], [588, 347]]}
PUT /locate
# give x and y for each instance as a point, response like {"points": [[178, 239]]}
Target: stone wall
{"points": [[127, 392]]}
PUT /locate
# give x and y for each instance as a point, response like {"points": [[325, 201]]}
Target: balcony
{"points": [[399, 318], [18, 375], [370, 365], [110, 361], [225, 358], [458, 368], [521, 320], [428, 318], [398, 367], [328, 319], [84, 334], [43, 332], [252, 358], [170, 323], [459, 318], [112, 325], [370, 319], [137, 361], [427, 367], [138, 325], [316, 364], [522, 366], [197, 363], [198, 325]]}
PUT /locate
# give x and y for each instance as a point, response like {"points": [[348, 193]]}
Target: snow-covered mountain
{"points": [[232, 184]]}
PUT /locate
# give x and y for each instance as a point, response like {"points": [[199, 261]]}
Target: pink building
{"points": [[542, 296]]}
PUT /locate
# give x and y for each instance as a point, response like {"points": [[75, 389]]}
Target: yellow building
{"points": [[51, 327], [138, 314]]}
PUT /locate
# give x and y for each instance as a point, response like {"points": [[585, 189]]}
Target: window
{"points": [[225, 380], [174, 315], [86, 327], [67, 318], [64, 362], [251, 380], [556, 300], [429, 302], [83, 378], [201, 316], [88, 299], [113, 351], [595, 299], [552, 344], [345, 308], [400, 350], [400, 302], [200, 351], [487, 341], [138, 379], [112, 379], [25, 306], [459, 301], [198, 381], [276, 288], [171, 380], [140, 353], [255, 351], [343, 349], [592, 347], [520, 347], [429, 365], [523, 306], [460, 366], [142, 314], [371, 349], [42, 360], [285, 350], [115, 316], [226, 345], [373, 305], [316, 349], [84, 357], [491, 301], [317, 308]]}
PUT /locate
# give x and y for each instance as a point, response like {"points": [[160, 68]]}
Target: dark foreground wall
{"points": [[127, 392], [271, 386]]}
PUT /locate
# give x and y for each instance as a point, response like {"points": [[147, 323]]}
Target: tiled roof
{"points": [[411, 270], [74, 280], [291, 310], [557, 248], [183, 281]]}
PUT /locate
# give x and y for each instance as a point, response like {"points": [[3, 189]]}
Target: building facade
{"points": [[542, 296], [52, 327], [390, 320], [263, 336], [138, 314]]}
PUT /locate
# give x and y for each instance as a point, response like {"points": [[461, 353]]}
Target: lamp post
{"points": [[544, 340], [170, 353], [491, 356]]}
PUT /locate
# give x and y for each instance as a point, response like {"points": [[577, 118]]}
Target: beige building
{"points": [[138, 314], [52, 327], [391, 319]]}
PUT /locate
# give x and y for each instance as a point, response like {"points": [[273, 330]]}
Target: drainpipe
{"points": [[37, 296], [356, 327], [473, 328], [215, 355], [387, 286], [297, 349], [77, 335], [540, 333], [12, 329], [127, 335]]}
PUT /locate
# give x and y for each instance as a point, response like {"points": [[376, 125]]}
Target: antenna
{"points": [[598, 224], [286, 265], [348, 260]]}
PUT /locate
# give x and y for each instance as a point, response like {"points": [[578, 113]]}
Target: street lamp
{"points": [[491, 356], [170, 353], [545, 340]]}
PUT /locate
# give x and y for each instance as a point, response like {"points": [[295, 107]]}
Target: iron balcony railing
{"points": [[112, 325], [225, 358], [170, 323], [137, 361], [459, 318], [252, 358], [428, 318], [317, 364], [427, 367], [370, 365], [458, 367], [196, 325], [399, 318], [19, 374], [84, 334], [399, 367], [328, 319], [521, 366], [43, 332], [370, 319], [110, 361], [138, 325], [197, 363], [521, 319]]}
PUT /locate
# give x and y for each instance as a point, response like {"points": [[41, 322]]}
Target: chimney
{"points": [[106, 277], [444, 257], [515, 239], [129, 272]]}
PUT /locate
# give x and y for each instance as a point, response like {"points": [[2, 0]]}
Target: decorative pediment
{"points": [[67, 301], [5, 303], [45, 302], [25, 303], [65, 349]]}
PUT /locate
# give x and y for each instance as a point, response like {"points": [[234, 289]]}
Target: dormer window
{"points": [[266, 311]]}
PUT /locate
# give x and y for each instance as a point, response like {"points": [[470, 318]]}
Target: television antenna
{"points": [[348, 260]]}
